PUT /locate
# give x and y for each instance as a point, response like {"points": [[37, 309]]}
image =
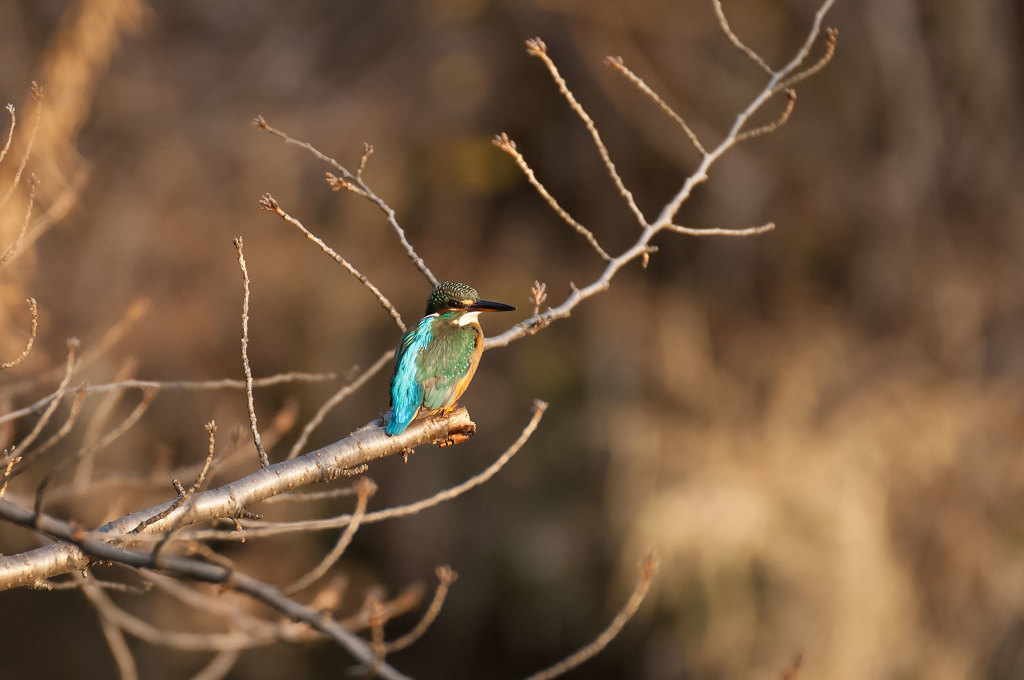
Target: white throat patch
{"points": [[468, 318]]}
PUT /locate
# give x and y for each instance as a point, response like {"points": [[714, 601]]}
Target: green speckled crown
{"points": [[449, 295]]}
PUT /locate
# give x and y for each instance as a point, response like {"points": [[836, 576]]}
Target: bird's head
{"points": [[450, 296]]}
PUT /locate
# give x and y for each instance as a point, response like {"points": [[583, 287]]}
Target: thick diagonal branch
{"points": [[362, 446]]}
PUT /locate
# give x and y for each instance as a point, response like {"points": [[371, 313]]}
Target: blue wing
{"points": [[406, 390]]}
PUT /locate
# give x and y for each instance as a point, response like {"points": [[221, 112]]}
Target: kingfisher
{"points": [[437, 358]]}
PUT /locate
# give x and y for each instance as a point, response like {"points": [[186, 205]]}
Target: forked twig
{"points": [[69, 369], [264, 460], [831, 37], [37, 94], [735, 40], [535, 47], [648, 570], [270, 204], [503, 142], [774, 125], [31, 336], [183, 495], [354, 183], [619, 65], [642, 248]]}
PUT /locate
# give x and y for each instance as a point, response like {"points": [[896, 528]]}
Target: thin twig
{"points": [[264, 460], [101, 415], [69, 369], [223, 384], [774, 125], [536, 47], [37, 454], [503, 142], [831, 38], [219, 666], [367, 152], [31, 336], [619, 65], [98, 583], [446, 576], [10, 133], [735, 40], [37, 94], [365, 488], [335, 399], [211, 429], [13, 248], [119, 649], [648, 570], [715, 231], [269, 203], [358, 186]]}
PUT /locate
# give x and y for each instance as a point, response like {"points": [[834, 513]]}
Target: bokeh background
{"points": [[819, 429]]}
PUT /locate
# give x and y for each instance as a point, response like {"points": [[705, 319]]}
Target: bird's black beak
{"points": [[488, 306]]}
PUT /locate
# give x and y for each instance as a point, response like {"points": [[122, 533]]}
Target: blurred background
{"points": [[819, 429]]}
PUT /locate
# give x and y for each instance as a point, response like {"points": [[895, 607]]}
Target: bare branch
{"points": [[620, 66], [535, 47], [31, 336], [503, 142], [642, 248], [365, 488], [648, 570], [197, 570], [365, 445], [269, 203], [357, 185], [264, 460], [735, 40]]}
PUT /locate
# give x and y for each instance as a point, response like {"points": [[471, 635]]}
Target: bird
{"points": [[436, 360]]}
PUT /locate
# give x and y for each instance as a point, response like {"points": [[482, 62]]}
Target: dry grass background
{"points": [[820, 428]]}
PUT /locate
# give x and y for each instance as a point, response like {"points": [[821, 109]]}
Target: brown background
{"points": [[819, 429]]}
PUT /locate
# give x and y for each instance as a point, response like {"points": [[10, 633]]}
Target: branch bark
{"points": [[365, 445]]}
